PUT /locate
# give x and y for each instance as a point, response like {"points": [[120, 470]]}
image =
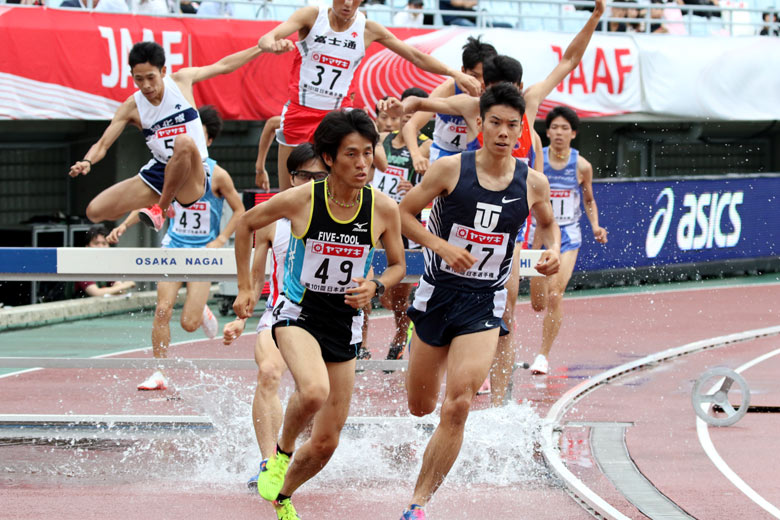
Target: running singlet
{"points": [[565, 191], [450, 132], [325, 63], [323, 261], [523, 150], [482, 221], [399, 166], [174, 116], [197, 224], [279, 251]]}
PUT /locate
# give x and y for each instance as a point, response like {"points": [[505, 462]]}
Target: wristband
{"points": [[87, 161]]}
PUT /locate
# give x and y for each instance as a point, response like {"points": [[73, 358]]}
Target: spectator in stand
{"points": [[96, 237], [411, 16], [705, 14], [634, 13], [465, 20], [215, 10], [149, 7], [770, 18], [103, 6], [615, 25], [657, 14]]}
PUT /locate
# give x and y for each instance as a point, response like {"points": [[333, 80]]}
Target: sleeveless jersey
{"points": [[322, 262], [450, 132], [482, 221], [197, 224], [524, 148], [325, 63], [399, 166], [565, 191], [174, 116], [279, 252]]}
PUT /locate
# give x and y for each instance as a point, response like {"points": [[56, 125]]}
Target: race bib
{"points": [[389, 180], [194, 221], [488, 248], [329, 267], [563, 205]]}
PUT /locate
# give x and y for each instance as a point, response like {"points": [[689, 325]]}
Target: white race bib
{"points": [[329, 267], [488, 248], [389, 180], [563, 205], [194, 221]]}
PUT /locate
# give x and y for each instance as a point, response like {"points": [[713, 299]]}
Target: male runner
{"points": [[334, 226], [571, 180], [197, 225], [163, 109], [481, 200], [331, 44], [304, 165], [398, 177]]}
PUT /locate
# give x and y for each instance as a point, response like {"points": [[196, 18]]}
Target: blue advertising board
{"points": [[682, 221]]}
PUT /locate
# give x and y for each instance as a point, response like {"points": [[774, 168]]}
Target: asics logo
{"points": [[504, 200]]}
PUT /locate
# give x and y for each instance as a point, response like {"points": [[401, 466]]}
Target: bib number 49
{"points": [[322, 272]]}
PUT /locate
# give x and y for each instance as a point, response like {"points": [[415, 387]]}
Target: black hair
{"points": [[565, 112], [338, 124], [300, 155], [376, 105], [96, 231], [210, 118], [475, 51], [146, 52], [414, 91], [501, 94], [502, 68]]}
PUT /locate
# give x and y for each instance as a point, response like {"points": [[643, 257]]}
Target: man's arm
{"points": [[97, 151], [116, 233], [380, 157], [225, 188], [379, 33], [266, 138], [585, 173], [117, 288], [538, 152], [547, 229], [226, 65], [276, 41], [412, 127], [536, 93], [441, 179]]}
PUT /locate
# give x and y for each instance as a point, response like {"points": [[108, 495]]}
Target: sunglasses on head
{"points": [[306, 174]]}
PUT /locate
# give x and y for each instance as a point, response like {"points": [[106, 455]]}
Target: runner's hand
{"points": [[404, 186], [411, 104], [232, 331], [80, 168], [361, 295], [243, 306], [391, 106], [113, 237], [261, 179], [456, 257], [421, 164], [216, 243], [281, 46], [600, 234], [549, 263], [468, 83]]}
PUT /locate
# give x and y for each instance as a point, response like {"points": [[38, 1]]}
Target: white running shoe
{"points": [[210, 325], [540, 365], [156, 381], [485, 388]]}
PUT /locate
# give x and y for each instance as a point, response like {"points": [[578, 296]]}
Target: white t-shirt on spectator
{"points": [[112, 6], [408, 18], [214, 9], [149, 6]]}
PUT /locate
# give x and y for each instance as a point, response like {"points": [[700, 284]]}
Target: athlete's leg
{"points": [[121, 198], [556, 287], [313, 454], [423, 379], [184, 174], [303, 357], [396, 299], [192, 312], [284, 175], [468, 364], [161, 330], [504, 362], [266, 406]]}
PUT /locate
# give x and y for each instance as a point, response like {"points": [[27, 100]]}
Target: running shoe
{"points": [[252, 482], [396, 351], [414, 512], [209, 323], [485, 388], [156, 381], [153, 216], [271, 479], [285, 510], [540, 365]]}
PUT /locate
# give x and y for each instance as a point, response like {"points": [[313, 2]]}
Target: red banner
{"points": [[57, 64]]}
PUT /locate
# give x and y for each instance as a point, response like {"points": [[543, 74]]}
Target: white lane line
{"points": [[703, 433]]}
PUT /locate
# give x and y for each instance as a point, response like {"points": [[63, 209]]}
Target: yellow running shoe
{"points": [[271, 479], [285, 510]]}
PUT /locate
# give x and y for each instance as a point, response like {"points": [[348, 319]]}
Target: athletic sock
{"points": [[281, 497], [280, 450]]}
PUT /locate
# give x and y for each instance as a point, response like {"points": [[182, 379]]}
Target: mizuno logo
{"points": [[504, 200], [359, 226]]}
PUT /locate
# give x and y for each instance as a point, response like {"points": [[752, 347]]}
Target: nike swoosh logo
{"points": [[487, 324], [504, 200]]}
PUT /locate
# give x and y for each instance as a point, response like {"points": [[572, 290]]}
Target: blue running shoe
{"points": [[252, 483], [414, 512]]}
